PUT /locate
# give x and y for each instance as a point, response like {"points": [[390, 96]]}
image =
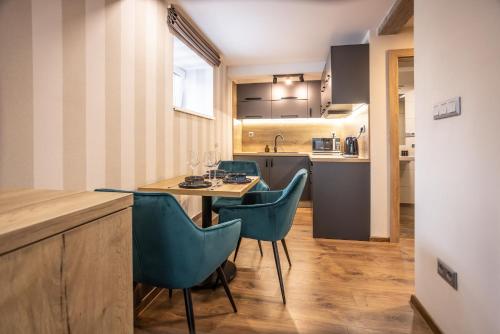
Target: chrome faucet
{"points": [[276, 140]]}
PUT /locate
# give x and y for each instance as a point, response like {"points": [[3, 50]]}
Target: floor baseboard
{"points": [[380, 239], [417, 306]]}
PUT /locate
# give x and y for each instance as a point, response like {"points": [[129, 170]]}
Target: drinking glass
{"points": [[193, 161], [208, 159]]}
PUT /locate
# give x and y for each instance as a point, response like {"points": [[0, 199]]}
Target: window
{"points": [[193, 82]]}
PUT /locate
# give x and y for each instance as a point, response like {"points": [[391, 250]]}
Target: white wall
{"points": [[379, 141], [457, 44]]}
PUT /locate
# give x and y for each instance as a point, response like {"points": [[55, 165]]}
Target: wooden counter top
{"points": [[313, 157], [28, 215]]}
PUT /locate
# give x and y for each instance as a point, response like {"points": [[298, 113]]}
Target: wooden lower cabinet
{"points": [[78, 281]]}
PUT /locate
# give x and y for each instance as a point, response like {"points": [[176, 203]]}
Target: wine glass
{"points": [[208, 159], [193, 161]]}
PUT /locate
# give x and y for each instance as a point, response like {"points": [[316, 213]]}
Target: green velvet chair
{"points": [[268, 216], [251, 168], [170, 251]]}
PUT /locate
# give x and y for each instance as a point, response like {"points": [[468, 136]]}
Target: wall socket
{"points": [[251, 134], [448, 274]]}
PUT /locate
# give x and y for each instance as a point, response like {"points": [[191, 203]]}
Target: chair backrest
{"points": [[167, 245], [286, 205], [240, 166]]}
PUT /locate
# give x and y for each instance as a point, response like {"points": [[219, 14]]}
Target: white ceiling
{"points": [[254, 32]]}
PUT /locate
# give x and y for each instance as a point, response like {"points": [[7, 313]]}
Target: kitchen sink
{"points": [[281, 152]]}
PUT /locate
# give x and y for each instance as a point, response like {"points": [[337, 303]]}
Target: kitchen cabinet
{"points": [[254, 109], [278, 171], [254, 100], [296, 90], [341, 200], [314, 98], [254, 92], [65, 262], [266, 100], [346, 76], [289, 108]]}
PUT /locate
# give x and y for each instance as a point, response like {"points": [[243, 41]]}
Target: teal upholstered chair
{"points": [[251, 168], [170, 251], [268, 216]]}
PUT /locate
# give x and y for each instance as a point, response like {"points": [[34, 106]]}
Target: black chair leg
{"points": [[260, 248], [237, 248], [189, 310], [286, 252], [218, 277], [169, 293], [222, 277], [278, 269]]}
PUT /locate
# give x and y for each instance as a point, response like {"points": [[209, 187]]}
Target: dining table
{"points": [[217, 189]]}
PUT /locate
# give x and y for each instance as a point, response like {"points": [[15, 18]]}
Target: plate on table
{"points": [[195, 185], [236, 181]]}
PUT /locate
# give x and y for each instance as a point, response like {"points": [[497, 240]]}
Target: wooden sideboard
{"points": [[65, 262]]}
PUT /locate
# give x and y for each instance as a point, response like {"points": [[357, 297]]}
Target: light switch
{"points": [[449, 108]]}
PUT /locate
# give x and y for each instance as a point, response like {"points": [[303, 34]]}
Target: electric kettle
{"points": [[351, 149]]}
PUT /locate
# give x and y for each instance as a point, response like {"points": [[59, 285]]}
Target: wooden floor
{"points": [[333, 287], [407, 221]]}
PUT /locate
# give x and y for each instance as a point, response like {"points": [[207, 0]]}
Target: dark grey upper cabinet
{"points": [[295, 91], [254, 92], [314, 98], [254, 100], [351, 74], [346, 77], [254, 109], [291, 108]]}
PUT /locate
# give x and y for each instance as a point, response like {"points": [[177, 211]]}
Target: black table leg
{"points": [[229, 267], [206, 211]]}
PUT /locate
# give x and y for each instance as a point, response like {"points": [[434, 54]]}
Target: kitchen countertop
{"points": [[313, 157]]}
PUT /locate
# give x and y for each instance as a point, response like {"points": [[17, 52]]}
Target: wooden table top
{"points": [[223, 190], [28, 215]]}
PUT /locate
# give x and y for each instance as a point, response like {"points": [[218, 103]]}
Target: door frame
{"points": [[393, 133]]}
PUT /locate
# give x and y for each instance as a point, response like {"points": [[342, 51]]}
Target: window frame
{"points": [[176, 69]]}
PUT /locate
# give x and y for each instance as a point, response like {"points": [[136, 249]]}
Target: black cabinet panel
{"points": [[314, 98], [341, 200], [254, 91], [289, 109], [350, 74], [263, 163], [296, 90], [279, 171], [254, 109]]}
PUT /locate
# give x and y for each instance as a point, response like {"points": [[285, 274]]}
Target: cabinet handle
{"points": [[266, 163], [289, 116], [253, 116], [289, 98], [310, 112], [253, 98], [271, 162]]}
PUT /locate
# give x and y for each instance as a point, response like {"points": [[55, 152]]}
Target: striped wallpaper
{"points": [[86, 97]]}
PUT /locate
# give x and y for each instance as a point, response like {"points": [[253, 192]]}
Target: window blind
{"points": [[184, 30]]}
